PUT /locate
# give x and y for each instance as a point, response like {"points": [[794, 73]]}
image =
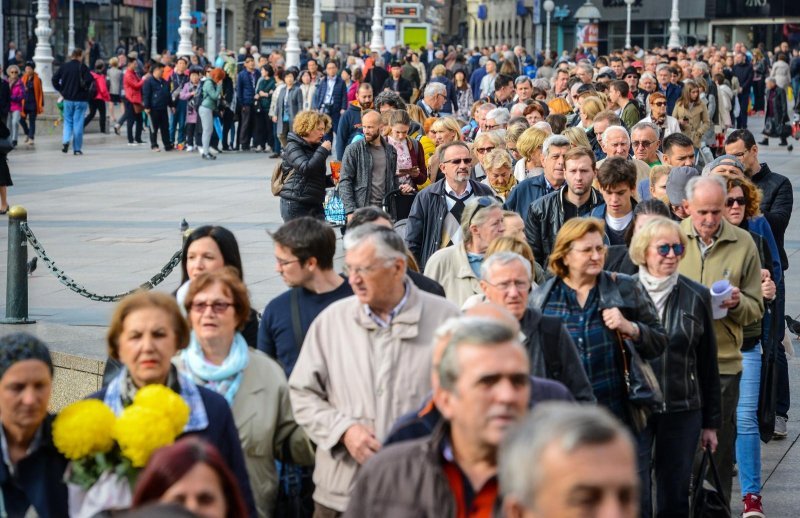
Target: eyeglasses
{"points": [[458, 161], [642, 143], [600, 249], [283, 262], [483, 150], [483, 202], [659, 104], [361, 270], [521, 286], [490, 127], [217, 307], [741, 200], [663, 250]]}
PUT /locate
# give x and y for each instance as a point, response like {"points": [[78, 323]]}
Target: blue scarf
{"points": [[223, 379]]}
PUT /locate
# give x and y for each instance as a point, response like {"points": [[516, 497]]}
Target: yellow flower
{"points": [[140, 431], [84, 428], [163, 399]]}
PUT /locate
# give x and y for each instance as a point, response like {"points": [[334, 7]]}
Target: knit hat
{"points": [[676, 183], [726, 159], [17, 347]]}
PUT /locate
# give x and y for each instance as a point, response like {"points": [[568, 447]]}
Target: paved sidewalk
{"points": [[111, 220]]}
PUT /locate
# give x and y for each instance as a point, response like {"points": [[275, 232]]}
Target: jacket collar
{"points": [[763, 172], [463, 269], [405, 325], [726, 231]]}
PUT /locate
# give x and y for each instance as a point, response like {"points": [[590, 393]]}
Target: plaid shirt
{"points": [[596, 345]]}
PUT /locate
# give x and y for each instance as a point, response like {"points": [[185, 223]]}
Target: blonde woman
{"points": [[590, 107], [577, 137], [483, 144], [497, 165], [529, 146]]}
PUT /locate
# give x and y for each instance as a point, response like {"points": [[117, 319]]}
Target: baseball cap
{"points": [[676, 183]]}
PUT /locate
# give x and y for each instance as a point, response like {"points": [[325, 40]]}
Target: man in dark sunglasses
{"points": [[435, 219]]}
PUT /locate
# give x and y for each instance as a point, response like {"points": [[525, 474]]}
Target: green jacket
{"points": [[629, 115], [211, 94], [734, 256]]}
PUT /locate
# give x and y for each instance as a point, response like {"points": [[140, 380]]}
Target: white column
{"points": [[472, 39], [154, 34], [377, 28], [317, 32], [71, 28], [43, 55], [549, 5], [629, 4], [292, 43], [674, 27], [185, 30], [211, 30], [223, 42]]}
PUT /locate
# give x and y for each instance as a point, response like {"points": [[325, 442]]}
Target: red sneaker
{"points": [[752, 506]]}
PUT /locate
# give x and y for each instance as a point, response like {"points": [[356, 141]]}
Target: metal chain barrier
{"points": [[73, 285]]}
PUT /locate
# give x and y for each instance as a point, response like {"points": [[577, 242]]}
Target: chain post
{"points": [[17, 269]]}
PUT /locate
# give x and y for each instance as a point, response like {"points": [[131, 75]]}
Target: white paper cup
{"points": [[720, 292]]}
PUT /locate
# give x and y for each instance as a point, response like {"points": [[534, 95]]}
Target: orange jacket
{"points": [[37, 92]]}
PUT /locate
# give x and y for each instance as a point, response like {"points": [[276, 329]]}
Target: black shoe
{"points": [[77, 152], [225, 148], [116, 129], [783, 143], [764, 142], [217, 149], [208, 156], [65, 147], [274, 155], [14, 143]]}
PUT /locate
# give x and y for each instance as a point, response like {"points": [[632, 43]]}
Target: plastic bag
{"points": [[334, 208], [110, 492]]}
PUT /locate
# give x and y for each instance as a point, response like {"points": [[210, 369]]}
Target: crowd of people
{"points": [[521, 231]]}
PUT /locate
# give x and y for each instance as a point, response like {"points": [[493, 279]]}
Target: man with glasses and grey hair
{"points": [[483, 390], [433, 99], [506, 281], [344, 394], [645, 144], [566, 460], [435, 218]]}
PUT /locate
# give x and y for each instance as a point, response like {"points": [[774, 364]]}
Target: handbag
{"points": [[767, 390], [138, 108], [6, 146], [708, 500], [279, 178], [642, 388]]}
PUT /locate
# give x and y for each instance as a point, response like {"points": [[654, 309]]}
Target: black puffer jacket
{"points": [[544, 219], [307, 184], [776, 204], [687, 371]]}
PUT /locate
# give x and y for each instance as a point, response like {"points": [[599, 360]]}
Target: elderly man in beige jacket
{"points": [[366, 361]]}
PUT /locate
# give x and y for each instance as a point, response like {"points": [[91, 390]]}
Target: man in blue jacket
{"points": [[246, 96], [331, 96], [670, 90], [156, 99], [350, 123]]}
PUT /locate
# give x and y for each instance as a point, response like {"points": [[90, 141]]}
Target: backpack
{"points": [[197, 100], [279, 178]]}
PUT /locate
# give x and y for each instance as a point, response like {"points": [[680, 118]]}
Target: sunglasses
{"points": [[483, 150], [458, 161], [663, 250], [642, 143], [741, 200], [660, 104], [483, 202]]}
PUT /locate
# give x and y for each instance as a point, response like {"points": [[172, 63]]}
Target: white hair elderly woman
{"points": [[684, 308], [499, 177]]}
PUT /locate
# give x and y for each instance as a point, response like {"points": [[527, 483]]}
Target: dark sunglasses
{"points": [[465, 161], [663, 250], [483, 202], [660, 104], [741, 200]]}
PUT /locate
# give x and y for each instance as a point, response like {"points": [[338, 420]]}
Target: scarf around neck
{"points": [[224, 379], [503, 190], [658, 288]]}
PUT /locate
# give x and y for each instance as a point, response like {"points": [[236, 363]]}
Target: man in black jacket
{"points": [[398, 83], [377, 74], [744, 73], [156, 99], [435, 218], [74, 82], [506, 281]]}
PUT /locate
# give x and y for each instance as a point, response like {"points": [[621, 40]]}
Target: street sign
{"points": [[407, 11]]}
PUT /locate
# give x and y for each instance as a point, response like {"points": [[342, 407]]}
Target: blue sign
{"points": [[482, 14], [173, 22]]}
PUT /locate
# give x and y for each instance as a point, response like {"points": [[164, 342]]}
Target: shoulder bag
{"points": [[279, 178]]}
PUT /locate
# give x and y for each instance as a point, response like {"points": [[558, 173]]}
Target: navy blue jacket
{"points": [[222, 433], [349, 125], [338, 99], [526, 192], [156, 94], [672, 93], [475, 81], [246, 87], [39, 481]]}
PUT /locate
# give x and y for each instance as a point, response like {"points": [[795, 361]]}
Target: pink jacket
{"points": [[102, 87], [17, 96]]}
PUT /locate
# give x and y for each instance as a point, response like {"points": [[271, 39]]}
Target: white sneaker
{"points": [[780, 431], [190, 148]]}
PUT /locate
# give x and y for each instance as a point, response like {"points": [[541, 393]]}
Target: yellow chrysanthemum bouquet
{"points": [[107, 450]]}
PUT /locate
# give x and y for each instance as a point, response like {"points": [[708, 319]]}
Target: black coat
{"points": [[687, 371], [426, 219], [72, 80], [776, 122], [377, 77], [307, 184], [776, 204], [404, 87], [156, 94]]}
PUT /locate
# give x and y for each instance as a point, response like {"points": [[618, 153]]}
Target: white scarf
{"points": [[658, 288]]}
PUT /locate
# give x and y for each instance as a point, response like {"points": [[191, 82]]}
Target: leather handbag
{"points": [[640, 381], [708, 500]]}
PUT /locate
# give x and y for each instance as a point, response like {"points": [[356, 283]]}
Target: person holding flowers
{"points": [[146, 331], [32, 469], [253, 384]]}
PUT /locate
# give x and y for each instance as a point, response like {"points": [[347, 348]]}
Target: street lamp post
{"points": [[154, 34], [292, 43], [317, 28], [185, 30], [71, 28], [549, 5], [674, 27], [377, 28], [629, 4], [586, 14], [222, 41], [43, 54]]}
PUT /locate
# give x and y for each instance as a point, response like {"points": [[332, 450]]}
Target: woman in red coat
{"points": [[101, 97], [132, 84]]}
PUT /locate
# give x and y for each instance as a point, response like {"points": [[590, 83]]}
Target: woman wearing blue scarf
{"points": [[253, 384]]}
